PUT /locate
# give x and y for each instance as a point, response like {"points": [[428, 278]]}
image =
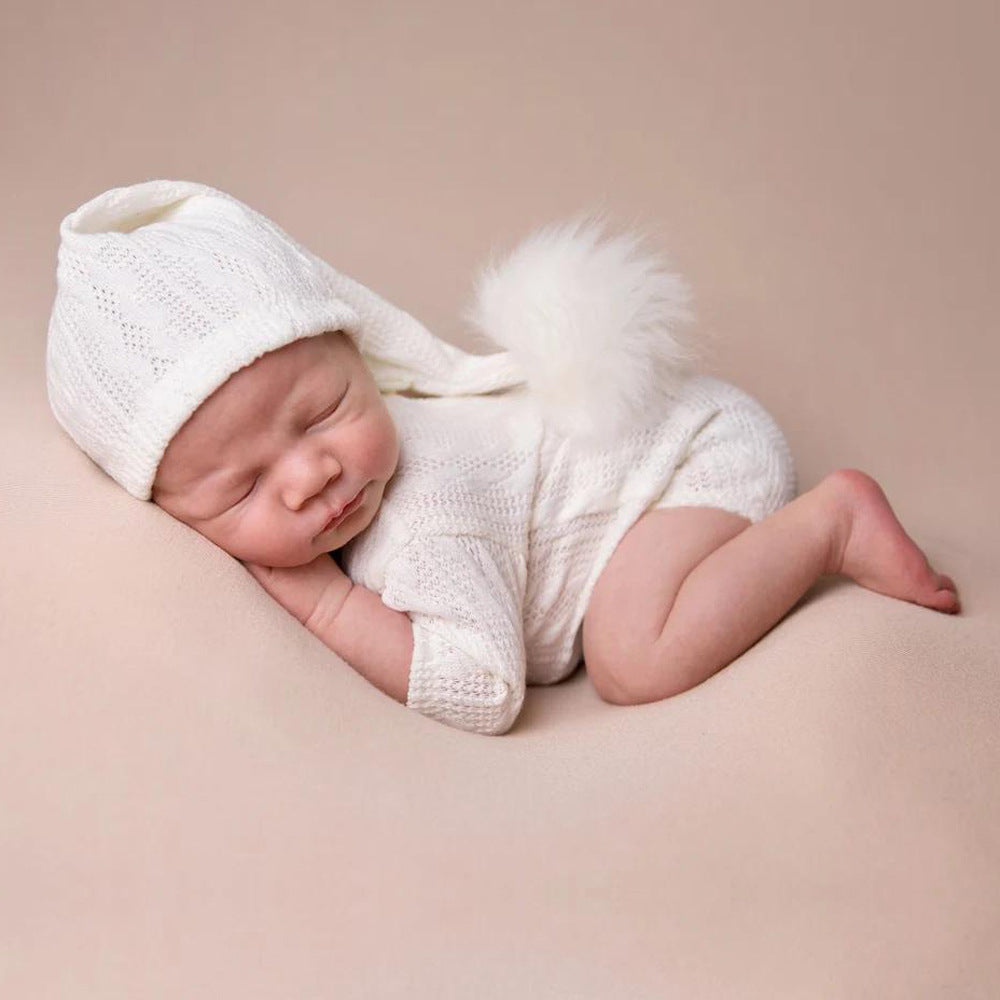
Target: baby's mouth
{"points": [[337, 518]]}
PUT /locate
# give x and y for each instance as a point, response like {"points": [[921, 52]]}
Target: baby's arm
{"points": [[445, 637], [375, 640]]}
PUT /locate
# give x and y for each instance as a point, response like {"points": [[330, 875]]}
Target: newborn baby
{"points": [[211, 364]]}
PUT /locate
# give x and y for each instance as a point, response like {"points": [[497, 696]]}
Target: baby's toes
{"points": [[945, 600]]}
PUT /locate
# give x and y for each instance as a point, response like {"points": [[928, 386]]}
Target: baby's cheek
{"points": [[273, 538], [383, 447], [237, 537], [236, 545], [260, 537]]}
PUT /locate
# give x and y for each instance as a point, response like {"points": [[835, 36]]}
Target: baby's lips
{"points": [[336, 516]]}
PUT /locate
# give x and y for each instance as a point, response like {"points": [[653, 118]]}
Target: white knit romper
{"points": [[494, 529]]}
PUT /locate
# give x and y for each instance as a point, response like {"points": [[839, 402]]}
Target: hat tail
{"points": [[596, 322]]}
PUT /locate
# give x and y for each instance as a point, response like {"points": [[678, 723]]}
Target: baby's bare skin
{"points": [[689, 589], [874, 550]]}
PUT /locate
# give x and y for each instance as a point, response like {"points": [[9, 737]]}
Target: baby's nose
{"points": [[306, 476]]}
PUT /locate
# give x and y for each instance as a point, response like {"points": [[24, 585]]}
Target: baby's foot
{"points": [[874, 550]]}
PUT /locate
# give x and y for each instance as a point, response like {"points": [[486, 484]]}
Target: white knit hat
{"points": [[166, 288]]}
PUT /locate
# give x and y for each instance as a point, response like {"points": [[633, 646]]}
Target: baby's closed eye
{"points": [[253, 486], [330, 410]]}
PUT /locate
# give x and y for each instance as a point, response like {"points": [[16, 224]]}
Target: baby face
{"points": [[265, 464]]}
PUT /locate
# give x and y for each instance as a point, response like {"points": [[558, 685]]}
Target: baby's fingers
{"points": [[300, 590], [294, 592], [258, 572]]}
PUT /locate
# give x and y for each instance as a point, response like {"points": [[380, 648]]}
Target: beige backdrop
{"points": [[195, 801]]}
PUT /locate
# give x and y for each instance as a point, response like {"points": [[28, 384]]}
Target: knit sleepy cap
{"points": [[166, 288]]}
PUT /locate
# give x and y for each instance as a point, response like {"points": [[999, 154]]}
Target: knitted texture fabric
{"points": [[495, 527], [165, 288]]}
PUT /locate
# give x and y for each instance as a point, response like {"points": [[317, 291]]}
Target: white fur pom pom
{"points": [[593, 322]]}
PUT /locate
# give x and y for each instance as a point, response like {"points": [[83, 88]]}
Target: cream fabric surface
{"points": [[189, 778]]}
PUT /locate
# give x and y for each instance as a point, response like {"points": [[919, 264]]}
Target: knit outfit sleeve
{"points": [[464, 595]]}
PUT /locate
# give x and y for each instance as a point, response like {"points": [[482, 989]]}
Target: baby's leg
{"points": [[688, 589]]}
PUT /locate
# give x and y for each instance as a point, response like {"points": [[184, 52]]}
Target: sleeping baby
{"points": [[454, 526]]}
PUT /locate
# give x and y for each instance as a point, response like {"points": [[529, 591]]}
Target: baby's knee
{"points": [[607, 686], [609, 665], [626, 681]]}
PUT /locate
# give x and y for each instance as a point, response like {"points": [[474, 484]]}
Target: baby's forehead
{"points": [[291, 372], [274, 380], [268, 386]]}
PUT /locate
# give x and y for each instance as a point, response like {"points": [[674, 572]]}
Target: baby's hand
{"points": [[314, 593]]}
